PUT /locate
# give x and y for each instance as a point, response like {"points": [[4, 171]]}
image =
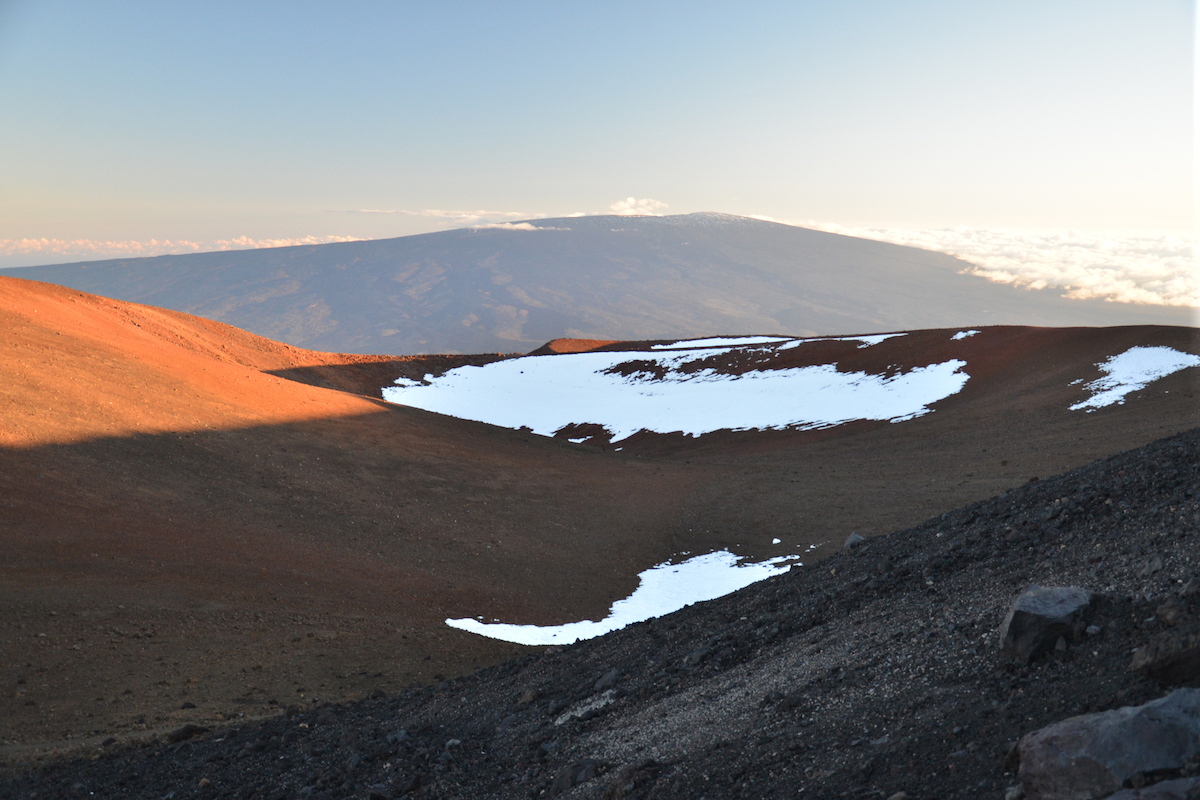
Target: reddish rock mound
{"points": [[558, 346]]}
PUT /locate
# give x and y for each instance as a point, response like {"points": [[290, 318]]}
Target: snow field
{"points": [[1131, 371], [658, 393], [662, 589]]}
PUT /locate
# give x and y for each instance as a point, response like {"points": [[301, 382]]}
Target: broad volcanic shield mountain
{"points": [[511, 288]]}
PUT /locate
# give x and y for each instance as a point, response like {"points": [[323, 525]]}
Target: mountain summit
{"points": [[513, 286]]}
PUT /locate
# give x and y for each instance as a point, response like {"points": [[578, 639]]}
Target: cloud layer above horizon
{"points": [[1136, 267], [96, 249]]}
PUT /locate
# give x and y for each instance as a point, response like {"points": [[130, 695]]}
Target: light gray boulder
{"points": [[1041, 616], [852, 541], [1091, 756]]}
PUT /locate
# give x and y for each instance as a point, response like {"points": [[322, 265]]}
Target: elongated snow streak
{"points": [[663, 588], [963, 335], [868, 341], [734, 341], [1131, 371], [631, 391], [785, 343], [865, 341]]}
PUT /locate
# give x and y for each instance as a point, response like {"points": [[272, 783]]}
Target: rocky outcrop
{"points": [[1041, 616], [1171, 657], [1181, 789], [1092, 756]]}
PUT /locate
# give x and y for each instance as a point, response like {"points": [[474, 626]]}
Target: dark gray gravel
{"points": [[871, 673]]}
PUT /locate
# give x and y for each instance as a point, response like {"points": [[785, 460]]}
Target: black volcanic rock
{"points": [[1171, 657], [816, 684], [1179, 789], [630, 278]]}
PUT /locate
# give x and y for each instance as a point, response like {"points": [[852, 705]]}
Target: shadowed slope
{"points": [[876, 675], [156, 485]]}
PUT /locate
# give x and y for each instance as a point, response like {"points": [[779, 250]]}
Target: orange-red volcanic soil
{"points": [[190, 514], [561, 346]]}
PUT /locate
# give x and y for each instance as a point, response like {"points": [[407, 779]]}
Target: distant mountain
{"points": [[515, 287]]}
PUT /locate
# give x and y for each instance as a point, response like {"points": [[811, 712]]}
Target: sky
{"points": [[135, 128]]}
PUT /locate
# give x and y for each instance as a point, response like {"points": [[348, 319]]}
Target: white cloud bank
{"points": [[633, 207], [515, 226], [100, 248], [1150, 268], [455, 217]]}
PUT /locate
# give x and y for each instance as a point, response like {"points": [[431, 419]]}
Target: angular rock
{"points": [[852, 541], [1091, 756], [1181, 789], [579, 772], [1172, 611], [1171, 657], [185, 733], [607, 680], [1151, 566], [588, 708], [1041, 616]]}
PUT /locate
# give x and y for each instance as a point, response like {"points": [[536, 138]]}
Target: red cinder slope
{"points": [[193, 515], [186, 527]]}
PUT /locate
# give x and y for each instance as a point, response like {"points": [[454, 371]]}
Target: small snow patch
{"points": [[775, 541], [662, 589], [1131, 371], [736, 341], [963, 335], [867, 341], [864, 341]]}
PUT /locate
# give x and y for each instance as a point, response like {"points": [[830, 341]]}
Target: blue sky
{"points": [[210, 121]]}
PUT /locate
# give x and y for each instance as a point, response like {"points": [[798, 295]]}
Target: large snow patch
{"points": [[667, 391]]}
